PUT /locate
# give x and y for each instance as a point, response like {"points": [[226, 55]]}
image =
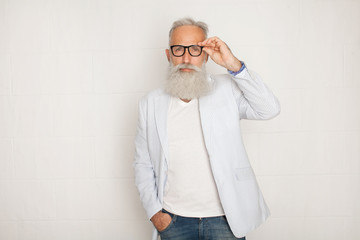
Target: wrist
{"points": [[237, 72], [236, 66], [155, 216]]}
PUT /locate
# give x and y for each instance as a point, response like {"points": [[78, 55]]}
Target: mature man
{"points": [[191, 168]]}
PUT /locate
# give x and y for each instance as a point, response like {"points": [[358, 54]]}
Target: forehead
{"points": [[187, 35]]}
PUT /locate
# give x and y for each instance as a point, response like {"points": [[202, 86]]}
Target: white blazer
{"points": [[232, 98]]}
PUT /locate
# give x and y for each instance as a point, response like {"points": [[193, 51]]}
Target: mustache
{"points": [[183, 65]]}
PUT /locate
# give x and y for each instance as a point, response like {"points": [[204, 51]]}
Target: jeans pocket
{"points": [[173, 217]]}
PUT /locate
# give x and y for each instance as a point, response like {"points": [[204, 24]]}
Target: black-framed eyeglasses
{"points": [[179, 50]]}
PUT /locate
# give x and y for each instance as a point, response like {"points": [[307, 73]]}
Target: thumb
{"points": [[209, 51]]}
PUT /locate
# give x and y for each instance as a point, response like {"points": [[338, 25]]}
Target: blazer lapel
{"points": [[206, 118], [161, 110]]}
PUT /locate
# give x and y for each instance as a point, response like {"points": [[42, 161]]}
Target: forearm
{"points": [[255, 100], [146, 185], [144, 172]]}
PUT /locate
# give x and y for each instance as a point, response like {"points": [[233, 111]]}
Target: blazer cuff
{"points": [[243, 66], [244, 74], [153, 210]]}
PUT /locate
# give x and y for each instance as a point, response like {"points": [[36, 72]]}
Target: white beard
{"points": [[187, 85]]}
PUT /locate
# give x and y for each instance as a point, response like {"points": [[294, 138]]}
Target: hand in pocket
{"points": [[161, 221]]}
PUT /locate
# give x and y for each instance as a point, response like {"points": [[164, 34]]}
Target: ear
{"points": [[167, 54]]}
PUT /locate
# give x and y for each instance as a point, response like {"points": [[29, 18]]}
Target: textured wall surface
{"points": [[73, 71]]}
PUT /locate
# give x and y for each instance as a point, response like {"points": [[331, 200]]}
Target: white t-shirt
{"points": [[190, 189]]}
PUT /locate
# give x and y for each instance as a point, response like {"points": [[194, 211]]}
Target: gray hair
{"points": [[186, 22]]}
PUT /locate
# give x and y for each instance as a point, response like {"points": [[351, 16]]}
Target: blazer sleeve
{"points": [[254, 99], [144, 171]]}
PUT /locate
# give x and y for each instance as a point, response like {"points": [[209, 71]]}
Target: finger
{"points": [[211, 45], [204, 43], [214, 40], [208, 50], [208, 40], [216, 47]]}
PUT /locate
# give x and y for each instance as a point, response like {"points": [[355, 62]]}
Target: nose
{"points": [[187, 57]]}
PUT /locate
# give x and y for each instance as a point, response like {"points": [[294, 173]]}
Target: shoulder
{"points": [[221, 80], [154, 94], [151, 96], [220, 77]]}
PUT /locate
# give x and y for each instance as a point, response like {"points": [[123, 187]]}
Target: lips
{"points": [[186, 69]]}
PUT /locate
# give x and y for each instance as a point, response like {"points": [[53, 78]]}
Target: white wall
{"points": [[71, 75]]}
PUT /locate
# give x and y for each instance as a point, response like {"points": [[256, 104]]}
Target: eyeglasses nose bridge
{"points": [[186, 56], [188, 51]]}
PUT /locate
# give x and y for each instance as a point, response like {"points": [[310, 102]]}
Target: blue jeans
{"points": [[186, 228]]}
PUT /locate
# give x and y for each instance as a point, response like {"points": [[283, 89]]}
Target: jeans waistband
{"points": [[172, 215]]}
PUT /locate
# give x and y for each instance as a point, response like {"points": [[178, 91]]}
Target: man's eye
{"points": [[195, 49], [179, 49]]}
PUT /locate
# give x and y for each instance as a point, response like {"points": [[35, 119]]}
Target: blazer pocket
{"points": [[244, 174]]}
